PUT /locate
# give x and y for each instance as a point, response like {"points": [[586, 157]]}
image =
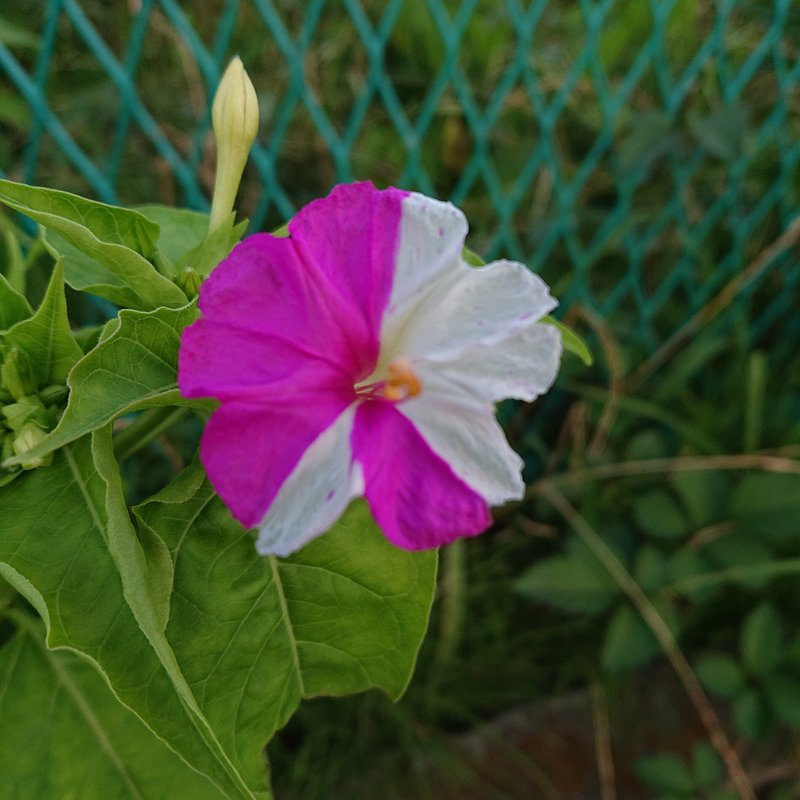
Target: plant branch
{"points": [[602, 742], [655, 466]]}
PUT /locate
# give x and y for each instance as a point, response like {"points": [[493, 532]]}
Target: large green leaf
{"points": [[108, 223], [45, 338], [81, 567], [133, 367], [55, 710], [247, 637], [115, 244], [87, 274], [255, 635], [181, 230]]}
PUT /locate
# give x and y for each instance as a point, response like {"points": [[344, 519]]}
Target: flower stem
{"points": [[453, 587]]}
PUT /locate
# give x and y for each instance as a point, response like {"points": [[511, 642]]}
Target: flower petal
{"points": [[474, 305], [249, 449], [522, 366], [316, 493], [432, 235], [416, 498], [352, 235], [463, 432], [217, 360], [269, 288]]}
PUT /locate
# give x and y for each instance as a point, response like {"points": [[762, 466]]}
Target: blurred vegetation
{"points": [[643, 157]]}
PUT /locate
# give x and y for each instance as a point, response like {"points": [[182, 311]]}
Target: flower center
{"points": [[402, 382]]}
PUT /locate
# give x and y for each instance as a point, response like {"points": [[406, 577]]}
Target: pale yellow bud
{"points": [[234, 116], [27, 438]]}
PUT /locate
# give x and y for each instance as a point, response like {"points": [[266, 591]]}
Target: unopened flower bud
{"points": [[26, 439], [234, 116], [54, 394], [189, 280]]}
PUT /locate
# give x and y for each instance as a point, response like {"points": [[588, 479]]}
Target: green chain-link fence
{"points": [[640, 154]]}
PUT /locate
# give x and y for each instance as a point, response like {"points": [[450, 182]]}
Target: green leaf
{"points": [[134, 367], [666, 773], [657, 513], [87, 274], [649, 443], [115, 244], [85, 576], [203, 258], [109, 223], [184, 239], [736, 550], [684, 565], [255, 635], [283, 232], [16, 265], [571, 341], [720, 674], [708, 769], [762, 640], [577, 582], [13, 306], [470, 256], [7, 594], [751, 715], [18, 37], [649, 139], [56, 710], [703, 495], [783, 694], [181, 230], [768, 504], [650, 568], [630, 642], [46, 338], [722, 132]]}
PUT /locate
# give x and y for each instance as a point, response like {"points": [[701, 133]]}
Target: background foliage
{"points": [[643, 157]]}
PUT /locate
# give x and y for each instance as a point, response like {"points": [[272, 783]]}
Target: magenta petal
{"points": [[268, 288], [217, 360], [415, 497], [353, 235], [248, 449]]}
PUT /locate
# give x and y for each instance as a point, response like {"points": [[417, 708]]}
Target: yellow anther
{"points": [[402, 381]]}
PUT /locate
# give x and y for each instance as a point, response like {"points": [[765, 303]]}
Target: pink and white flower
{"points": [[361, 356]]}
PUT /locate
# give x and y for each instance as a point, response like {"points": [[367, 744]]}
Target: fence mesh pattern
{"points": [[640, 154]]}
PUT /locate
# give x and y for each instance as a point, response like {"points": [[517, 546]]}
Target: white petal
{"points": [[483, 304], [431, 241], [523, 366], [432, 235], [464, 432], [315, 494]]}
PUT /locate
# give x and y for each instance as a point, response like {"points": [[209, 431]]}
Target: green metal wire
{"points": [[608, 255]]}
